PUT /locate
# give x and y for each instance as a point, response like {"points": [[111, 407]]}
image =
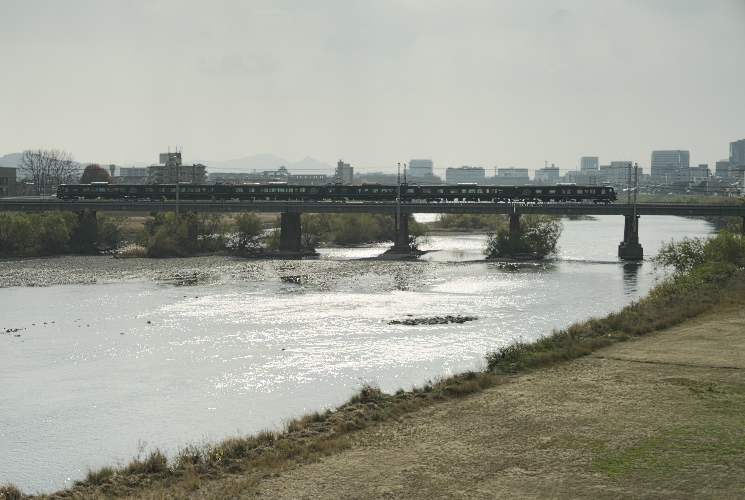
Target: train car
{"points": [[276, 191], [106, 191], [97, 190], [565, 193], [560, 193]]}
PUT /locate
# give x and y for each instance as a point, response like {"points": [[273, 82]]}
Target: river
{"points": [[121, 357]]}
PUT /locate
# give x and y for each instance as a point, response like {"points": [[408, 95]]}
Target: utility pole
{"points": [[398, 200], [178, 175], [636, 183]]}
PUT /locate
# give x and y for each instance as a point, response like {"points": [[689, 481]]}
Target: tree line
{"points": [[174, 234], [46, 169], [181, 234], [54, 233]]}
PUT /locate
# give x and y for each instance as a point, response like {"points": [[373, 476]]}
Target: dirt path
{"points": [[658, 417]]}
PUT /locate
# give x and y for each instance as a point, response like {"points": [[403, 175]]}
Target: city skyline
{"points": [[498, 84]]}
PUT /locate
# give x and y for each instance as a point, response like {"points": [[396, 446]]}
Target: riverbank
{"points": [[661, 416], [256, 292], [656, 416]]}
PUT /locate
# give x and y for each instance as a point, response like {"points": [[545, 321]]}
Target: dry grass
{"points": [[10, 492], [665, 307], [237, 465]]}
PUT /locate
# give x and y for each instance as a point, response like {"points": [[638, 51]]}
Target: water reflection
{"points": [[520, 266], [631, 277]]}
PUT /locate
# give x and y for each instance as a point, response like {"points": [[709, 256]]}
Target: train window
{"points": [[551, 191], [539, 191]]}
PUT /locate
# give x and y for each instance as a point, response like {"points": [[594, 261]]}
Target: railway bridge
{"points": [[290, 237]]}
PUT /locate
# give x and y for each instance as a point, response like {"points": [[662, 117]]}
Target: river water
{"points": [[147, 354]]}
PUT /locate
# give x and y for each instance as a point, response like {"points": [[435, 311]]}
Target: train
{"points": [[279, 191]]}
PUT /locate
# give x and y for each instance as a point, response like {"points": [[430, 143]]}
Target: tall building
{"points": [[667, 163], [465, 175], [344, 173], [721, 168], [7, 180], [589, 164], [737, 153], [512, 176], [420, 168], [617, 173], [171, 170], [548, 175]]}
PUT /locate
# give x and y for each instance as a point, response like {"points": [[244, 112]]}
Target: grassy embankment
{"points": [[682, 198], [709, 276]]}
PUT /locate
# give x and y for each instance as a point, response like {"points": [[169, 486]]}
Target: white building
{"points": [[420, 168], [548, 175], [667, 163], [617, 173], [465, 175], [589, 164], [511, 176]]}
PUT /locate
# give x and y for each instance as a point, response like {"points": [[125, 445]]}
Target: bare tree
{"points": [[48, 168]]}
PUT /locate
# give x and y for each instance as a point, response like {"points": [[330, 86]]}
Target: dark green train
{"points": [[560, 193]]}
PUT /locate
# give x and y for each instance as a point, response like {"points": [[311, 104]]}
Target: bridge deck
{"points": [[52, 204]]}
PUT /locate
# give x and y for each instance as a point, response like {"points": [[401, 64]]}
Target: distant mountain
{"points": [[268, 162], [10, 160], [248, 164], [309, 165]]}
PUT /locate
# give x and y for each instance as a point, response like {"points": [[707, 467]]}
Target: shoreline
{"points": [[626, 421], [531, 434]]}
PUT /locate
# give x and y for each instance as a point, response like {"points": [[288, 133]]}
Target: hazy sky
{"points": [[374, 82]]}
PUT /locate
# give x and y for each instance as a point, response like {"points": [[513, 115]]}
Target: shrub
{"points": [[249, 230], [10, 492], [98, 477], [538, 234], [110, 231]]}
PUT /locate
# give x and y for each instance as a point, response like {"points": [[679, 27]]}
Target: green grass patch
{"points": [[714, 436]]}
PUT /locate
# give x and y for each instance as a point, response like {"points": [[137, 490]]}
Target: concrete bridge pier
{"points": [[401, 238], [514, 237], [290, 234], [514, 224], [629, 248]]}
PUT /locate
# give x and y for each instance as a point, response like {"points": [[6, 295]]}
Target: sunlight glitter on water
{"points": [[112, 365]]}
